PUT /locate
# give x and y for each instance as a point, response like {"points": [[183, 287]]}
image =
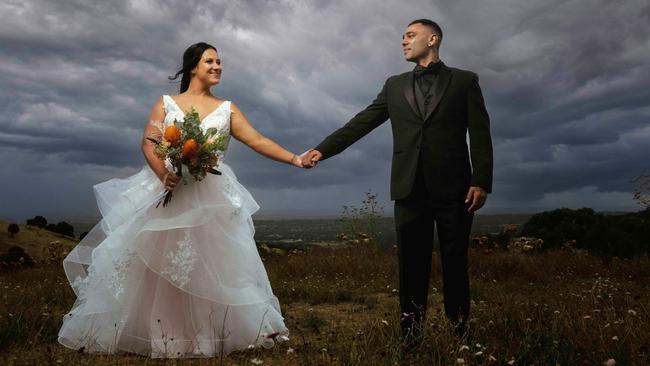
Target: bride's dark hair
{"points": [[191, 58]]}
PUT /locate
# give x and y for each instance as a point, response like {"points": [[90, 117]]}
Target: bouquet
{"points": [[191, 151]]}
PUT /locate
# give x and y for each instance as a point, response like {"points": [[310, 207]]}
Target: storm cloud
{"points": [[566, 83]]}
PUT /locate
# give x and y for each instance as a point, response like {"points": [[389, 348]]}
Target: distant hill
{"points": [[32, 239]]}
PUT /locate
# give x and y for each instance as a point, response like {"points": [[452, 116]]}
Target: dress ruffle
{"points": [[185, 280]]}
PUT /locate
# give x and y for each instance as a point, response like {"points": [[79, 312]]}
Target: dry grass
{"points": [[33, 240], [342, 309]]}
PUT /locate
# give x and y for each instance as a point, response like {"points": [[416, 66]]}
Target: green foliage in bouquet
{"points": [[191, 151]]}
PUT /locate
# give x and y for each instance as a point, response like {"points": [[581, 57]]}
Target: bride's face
{"points": [[208, 70]]}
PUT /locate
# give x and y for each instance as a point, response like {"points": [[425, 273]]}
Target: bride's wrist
{"points": [[163, 176]]}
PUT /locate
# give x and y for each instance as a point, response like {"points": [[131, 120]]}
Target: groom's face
{"points": [[415, 42]]}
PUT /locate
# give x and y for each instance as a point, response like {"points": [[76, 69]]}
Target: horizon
{"points": [[280, 216]]}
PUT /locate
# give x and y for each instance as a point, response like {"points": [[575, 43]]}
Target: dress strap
{"points": [[166, 102]]}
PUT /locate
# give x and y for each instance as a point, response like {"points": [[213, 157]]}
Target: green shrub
{"points": [[62, 228], [13, 229], [606, 235], [15, 258], [38, 221]]}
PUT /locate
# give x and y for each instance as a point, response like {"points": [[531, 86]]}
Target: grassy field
{"points": [[33, 240], [341, 306]]}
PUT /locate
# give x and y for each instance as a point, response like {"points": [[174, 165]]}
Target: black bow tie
{"points": [[431, 69]]}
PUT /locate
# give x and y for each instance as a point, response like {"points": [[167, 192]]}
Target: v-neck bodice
{"points": [[219, 118]]}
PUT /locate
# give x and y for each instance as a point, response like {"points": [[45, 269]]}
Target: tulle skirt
{"points": [[184, 280]]}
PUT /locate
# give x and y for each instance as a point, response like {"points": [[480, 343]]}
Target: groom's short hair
{"points": [[429, 23]]}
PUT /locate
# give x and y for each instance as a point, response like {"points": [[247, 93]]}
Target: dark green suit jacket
{"points": [[436, 142]]}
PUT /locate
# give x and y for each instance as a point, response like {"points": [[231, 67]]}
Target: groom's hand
{"points": [[310, 158], [477, 196]]}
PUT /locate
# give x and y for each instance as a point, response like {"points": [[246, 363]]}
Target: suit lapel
{"points": [[442, 82], [408, 93]]}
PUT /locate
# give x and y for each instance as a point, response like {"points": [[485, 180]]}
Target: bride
{"points": [[185, 280]]}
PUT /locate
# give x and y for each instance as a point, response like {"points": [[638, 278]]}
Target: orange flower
{"points": [[173, 135], [190, 148]]}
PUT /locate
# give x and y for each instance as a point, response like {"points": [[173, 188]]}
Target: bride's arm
{"points": [[242, 130], [154, 130]]}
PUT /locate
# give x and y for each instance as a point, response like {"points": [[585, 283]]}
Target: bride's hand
{"points": [[170, 181], [310, 158], [296, 161]]}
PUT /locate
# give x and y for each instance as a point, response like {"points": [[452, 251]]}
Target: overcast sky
{"points": [[566, 83]]}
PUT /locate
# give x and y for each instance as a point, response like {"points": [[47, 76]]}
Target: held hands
{"points": [[310, 158], [477, 196]]}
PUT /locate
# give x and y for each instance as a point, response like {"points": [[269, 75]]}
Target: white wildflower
{"points": [[268, 343], [282, 338]]}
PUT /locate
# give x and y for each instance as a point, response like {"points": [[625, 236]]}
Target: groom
{"points": [[432, 182]]}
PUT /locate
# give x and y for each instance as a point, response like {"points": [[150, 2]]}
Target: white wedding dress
{"points": [[184, 280]]}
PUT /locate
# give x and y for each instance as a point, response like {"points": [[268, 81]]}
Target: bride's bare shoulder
{"points": [[159, 103], [158, 110]]}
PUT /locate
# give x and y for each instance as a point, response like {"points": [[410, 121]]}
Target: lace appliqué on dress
{"points": [[182, 261], [234, 197], [81, 284], [121, 266]]}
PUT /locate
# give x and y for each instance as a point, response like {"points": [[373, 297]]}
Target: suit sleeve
{"points": [[360, 125], [479, 136]]}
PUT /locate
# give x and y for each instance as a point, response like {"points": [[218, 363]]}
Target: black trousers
{"points": [[415, 218]]}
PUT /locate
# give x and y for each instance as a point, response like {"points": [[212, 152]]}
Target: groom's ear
{"points": [[432, 40]]}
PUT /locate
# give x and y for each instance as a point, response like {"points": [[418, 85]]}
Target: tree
{"points": [[38, 221], [65, 228], [62, 228], [13, 229]]}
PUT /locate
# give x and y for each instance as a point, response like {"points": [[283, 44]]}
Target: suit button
{"points": [[426, 102]]}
